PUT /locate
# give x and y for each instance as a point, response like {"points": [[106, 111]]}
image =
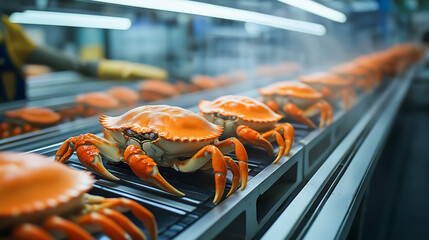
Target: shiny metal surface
{"points": [[325, 206]]}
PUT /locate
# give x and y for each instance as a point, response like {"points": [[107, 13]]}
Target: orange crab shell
{"points": [[293, 89], [98, 100], [245, 108], [32, 183], [171, 123], [325, 79], [350, 68], [35, 115], [152, 90], [124, 94], [204, 82]]}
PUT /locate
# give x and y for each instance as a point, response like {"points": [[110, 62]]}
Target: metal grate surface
{"points": [[173, 214]]}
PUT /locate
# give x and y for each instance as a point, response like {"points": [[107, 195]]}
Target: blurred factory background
{"points": [[186, 44]]}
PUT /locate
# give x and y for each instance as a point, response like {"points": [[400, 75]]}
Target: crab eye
{"points": [[217, 115], [234, 118], [152, 135], [129, 132]]}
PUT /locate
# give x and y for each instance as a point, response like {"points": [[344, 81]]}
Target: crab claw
{"points": [[90, 158], [248, 135], [87, 147], [146, 169], [65, 151], [297, 114]]}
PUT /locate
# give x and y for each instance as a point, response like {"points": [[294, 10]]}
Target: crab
{"points": [[403, 55], [41, 197], [285, 68], [153, 90], [360, 77], [250, 121], [373, 65], [333, 87], [27, 120], [148, 136], [237, 76], [204, 82], [298, 100], [95, 103], [127, 97]]}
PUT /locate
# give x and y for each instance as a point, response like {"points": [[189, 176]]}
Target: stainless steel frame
{"points": [[327, 204]]}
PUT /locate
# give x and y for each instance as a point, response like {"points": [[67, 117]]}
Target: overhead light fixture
{"points": [[216, 11], [318, 9], [70, 20]]}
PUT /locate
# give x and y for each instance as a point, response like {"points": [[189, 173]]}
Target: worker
{"points": [[17, 49]]}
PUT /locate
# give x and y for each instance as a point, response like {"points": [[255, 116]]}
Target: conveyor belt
{"points": [[268, 184], [244, 212], [198, 187]]}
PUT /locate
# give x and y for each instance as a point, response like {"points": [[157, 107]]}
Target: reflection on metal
{"points": [[324, 206], [335, 218]]}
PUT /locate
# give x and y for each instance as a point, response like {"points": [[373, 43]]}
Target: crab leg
{"points": [[350, 94], [285, 142], [124, 222], [146, 169], [219, 166], [297, 114], [328, 112], [27, 128], [326, 92], [16, 131], [322, 107], [30, 231], [88, 147], [4, 130], [288, 134], [72, 230], [235, 174], [110, 228], [248, 135], [138, 210], [273, 106], [234, 145]]}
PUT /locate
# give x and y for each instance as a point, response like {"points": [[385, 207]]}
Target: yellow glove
{"points": [[19, 46], [109, 69]]}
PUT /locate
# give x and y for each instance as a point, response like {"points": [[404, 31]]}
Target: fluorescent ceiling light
{"points": [[318, 9], [210, 10], [70, 20]]}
